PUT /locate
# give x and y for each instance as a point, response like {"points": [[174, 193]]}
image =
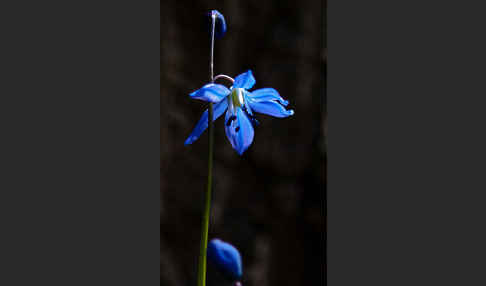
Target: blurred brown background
{"points": [[269, 203]]}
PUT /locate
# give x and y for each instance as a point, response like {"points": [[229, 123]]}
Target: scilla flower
{"points": [[226, 258], [239, 104]]}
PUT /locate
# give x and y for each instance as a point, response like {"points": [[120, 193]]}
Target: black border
{"points": [[405, 179], [79, 187]]}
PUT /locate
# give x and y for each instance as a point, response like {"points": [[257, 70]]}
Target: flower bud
{"points": [[226, 258], [220, 25]]}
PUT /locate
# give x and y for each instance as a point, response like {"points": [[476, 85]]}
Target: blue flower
{"points": [[226, 258], [239, 104]]}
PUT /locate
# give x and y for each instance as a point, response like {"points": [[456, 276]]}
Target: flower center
{"points": [[237, 97]]}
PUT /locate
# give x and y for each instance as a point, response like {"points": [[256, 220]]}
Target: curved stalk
{"points": [[201, 277], [224, 77]]}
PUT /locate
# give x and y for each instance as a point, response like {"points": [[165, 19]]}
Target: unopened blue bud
{"points": [[226, 258], [220, 25]]}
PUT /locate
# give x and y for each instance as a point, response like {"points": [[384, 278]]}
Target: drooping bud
{"points": [[226, 258], [220, 25]]}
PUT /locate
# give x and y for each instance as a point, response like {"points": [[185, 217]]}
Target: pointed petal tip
{"points": [[189, 141], [239, 150], [243, 149]]}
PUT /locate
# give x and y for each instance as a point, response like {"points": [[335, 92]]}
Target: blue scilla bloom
{"points": [[240, 105], [226, 258]]}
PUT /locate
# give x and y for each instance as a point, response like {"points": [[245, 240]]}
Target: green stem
{"points": [[201, 275], [207, 209]]}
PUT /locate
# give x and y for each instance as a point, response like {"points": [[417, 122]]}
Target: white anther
{"points": [[240, 96]]}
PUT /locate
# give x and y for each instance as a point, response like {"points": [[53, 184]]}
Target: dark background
{"points": [[269, 203]]}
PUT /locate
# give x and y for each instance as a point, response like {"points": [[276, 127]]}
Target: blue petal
{"points": [[240, 131], [211, 92], [202, 124], [229, 128], [267, 94], [226, 258], [270, 108], [244, 80], [245, 133], [245, 102]]}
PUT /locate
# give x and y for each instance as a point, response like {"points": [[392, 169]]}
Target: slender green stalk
{"points": [[201, 276]]}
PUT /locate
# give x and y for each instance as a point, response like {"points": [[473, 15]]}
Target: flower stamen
{"points": [[237, 97]]}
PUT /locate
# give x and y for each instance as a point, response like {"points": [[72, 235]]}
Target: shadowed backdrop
{"points": [[270, 202]]}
